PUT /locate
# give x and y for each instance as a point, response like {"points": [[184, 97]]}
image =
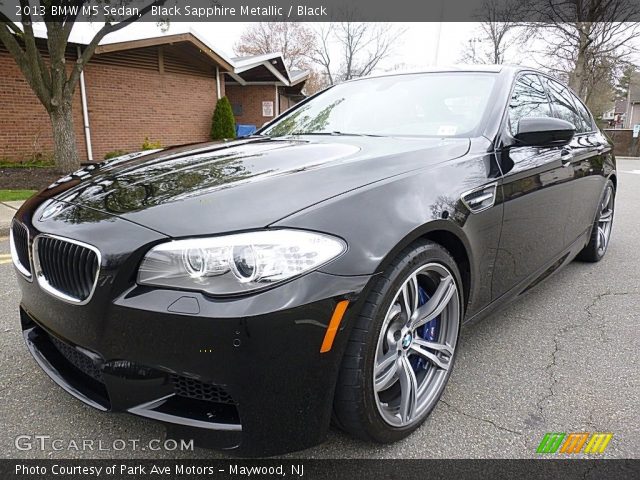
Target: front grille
{"points": [[82, 362], [197, 390], [20, 240], [67, 267]]}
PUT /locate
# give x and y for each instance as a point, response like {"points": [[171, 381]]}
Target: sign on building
{"points": [[636, 130], [267, 109]]}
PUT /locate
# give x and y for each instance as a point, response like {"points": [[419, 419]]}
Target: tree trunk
{"points": [[64, 139], [577, 79]]}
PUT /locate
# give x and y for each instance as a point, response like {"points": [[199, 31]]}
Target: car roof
{"points": [[484, 68]]}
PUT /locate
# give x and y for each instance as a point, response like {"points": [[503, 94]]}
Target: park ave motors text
{"points": [[137, 469], [243, 10]]}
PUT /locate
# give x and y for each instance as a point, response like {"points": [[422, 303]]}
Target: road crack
{"points": [[480, 419], [551, 367]]}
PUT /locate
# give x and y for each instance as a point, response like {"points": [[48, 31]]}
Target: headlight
{"points": [[239, 263]]}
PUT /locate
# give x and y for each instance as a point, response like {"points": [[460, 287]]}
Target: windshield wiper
{"points": [[337, 133]]}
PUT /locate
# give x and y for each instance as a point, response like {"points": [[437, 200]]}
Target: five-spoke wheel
{"points": [[416, 344], [601, 232], [402, 347]]}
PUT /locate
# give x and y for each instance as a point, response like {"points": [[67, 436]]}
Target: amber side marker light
{"points": [[332, 329]]}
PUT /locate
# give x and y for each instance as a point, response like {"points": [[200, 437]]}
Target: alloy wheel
{"points": [[605, 221], [416, 345]]}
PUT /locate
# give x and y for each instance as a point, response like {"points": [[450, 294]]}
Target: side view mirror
{"points": [[544, 132]]}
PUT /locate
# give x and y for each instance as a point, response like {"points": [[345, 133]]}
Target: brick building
{"points": [[163, 88]]}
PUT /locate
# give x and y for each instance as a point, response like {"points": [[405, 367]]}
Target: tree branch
{"points": [[91, 48]]}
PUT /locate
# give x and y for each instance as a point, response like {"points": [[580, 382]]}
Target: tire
{"points": [[602, 226], [384, 329]]}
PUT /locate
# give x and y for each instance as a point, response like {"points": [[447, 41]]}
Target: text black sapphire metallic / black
{"points": [[252, 291]]}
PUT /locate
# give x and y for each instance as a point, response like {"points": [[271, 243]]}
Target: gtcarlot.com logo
{"points": [[574, 443], [48, 443]]}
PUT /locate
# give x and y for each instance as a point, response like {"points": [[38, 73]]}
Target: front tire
{"points": [[402, 347], [601, 230]]}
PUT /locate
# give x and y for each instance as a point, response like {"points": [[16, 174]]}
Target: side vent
{"points": [[480, 199]]}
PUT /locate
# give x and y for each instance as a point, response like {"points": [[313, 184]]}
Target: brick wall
{"points": [[25, 128], [250, 97], [126, 104], [624, 144]]}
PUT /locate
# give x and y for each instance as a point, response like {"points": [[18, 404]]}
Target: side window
{"points": [[587, 123], [528, 100], [563, 106]]}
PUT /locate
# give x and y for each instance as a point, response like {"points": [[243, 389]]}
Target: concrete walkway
{"points": [[7, 211]]}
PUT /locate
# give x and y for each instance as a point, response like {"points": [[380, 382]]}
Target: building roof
{"points": [[188, 38], [268, 68]]}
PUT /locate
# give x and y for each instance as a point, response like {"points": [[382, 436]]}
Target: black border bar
{"points": [[547, 468], [329, 10]]}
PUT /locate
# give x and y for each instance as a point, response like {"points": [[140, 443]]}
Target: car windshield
{"points": [[447, 104]]}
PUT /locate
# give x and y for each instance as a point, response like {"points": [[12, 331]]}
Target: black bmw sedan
{"points": [[252, 291]]}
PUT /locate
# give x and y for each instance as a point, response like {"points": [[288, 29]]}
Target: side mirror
{"points": [[544, 132]]}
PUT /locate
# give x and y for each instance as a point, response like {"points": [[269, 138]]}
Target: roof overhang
{"points": [[267, 69], [217, 57]]}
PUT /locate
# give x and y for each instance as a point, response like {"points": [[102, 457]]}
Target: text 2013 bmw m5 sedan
{"points": [[321, 269]]}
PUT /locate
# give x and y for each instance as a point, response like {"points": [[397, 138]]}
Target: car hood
{"points": [[251, 183]]}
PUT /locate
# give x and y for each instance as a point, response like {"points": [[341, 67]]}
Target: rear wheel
{"points": [[601, 231], [401, 351]]}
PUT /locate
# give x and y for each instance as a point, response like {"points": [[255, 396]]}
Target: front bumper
{"points": [[258, 384], [242, 373]]}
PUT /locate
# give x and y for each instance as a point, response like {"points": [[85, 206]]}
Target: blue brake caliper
{"points": [[429, 331]]}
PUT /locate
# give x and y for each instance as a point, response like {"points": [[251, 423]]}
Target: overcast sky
{"points": [[414, 49], [418, 47]]}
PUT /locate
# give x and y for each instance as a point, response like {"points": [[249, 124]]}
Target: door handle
{"points": [[566, 155]]}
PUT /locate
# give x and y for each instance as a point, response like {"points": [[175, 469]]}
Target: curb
{"points": [[4, 229], [7, 212]]}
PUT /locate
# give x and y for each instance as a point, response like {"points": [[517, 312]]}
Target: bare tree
{"points": [[294, 40], [361, 47], [46, 72], [320, 52], [586, 39], [499, 21]]}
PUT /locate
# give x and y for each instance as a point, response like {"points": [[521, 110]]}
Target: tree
{"points": [[624, 81], [586, 39], [223, 124], [362, 47], [293, 40], [498, 22], [48, 75]]}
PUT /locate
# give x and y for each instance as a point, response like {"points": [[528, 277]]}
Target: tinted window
{"points": [[434, 104], [587, 124], [563, 106], [528, 100]]}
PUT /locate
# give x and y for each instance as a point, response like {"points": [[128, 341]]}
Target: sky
{"points": [[417, 47], [421, 45]]}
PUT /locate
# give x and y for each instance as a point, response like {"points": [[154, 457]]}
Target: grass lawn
{"points": [[30, 163], [13, 195]]}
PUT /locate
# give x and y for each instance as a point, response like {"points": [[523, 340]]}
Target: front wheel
{"points": [[601, 231], [402, 348]]}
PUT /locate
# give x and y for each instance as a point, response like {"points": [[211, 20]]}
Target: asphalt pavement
{"points": [[563, 358]]}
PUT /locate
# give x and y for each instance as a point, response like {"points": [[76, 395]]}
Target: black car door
{"points": [[585, 156], [537, 194]]}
